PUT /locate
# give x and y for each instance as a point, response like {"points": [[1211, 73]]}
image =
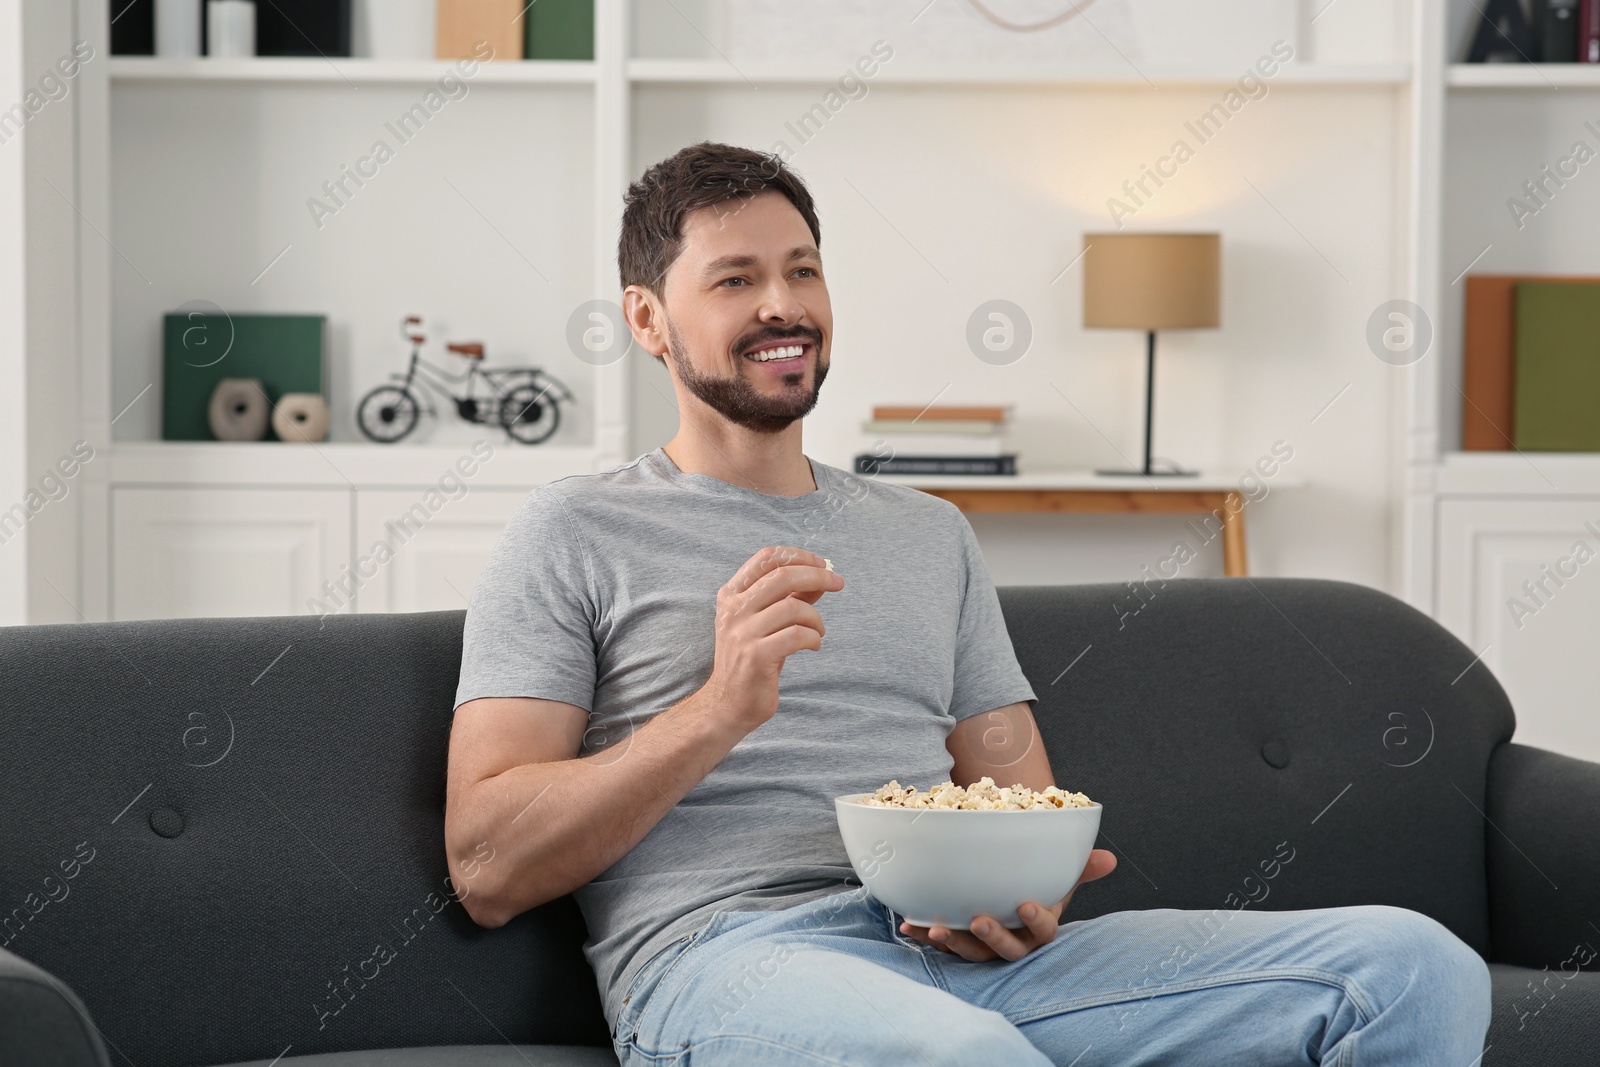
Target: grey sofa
{"points": [[223, 839]]}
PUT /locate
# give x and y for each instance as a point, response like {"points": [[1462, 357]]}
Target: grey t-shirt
{"points": [[602, 593]]}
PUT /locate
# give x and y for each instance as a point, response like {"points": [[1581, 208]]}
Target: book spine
{"points": [[1558, 30], [952, 444], [997, 413], [920, 426], [868, 464]]}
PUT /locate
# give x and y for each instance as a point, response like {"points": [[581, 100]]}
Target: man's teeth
{"points": [[786, 352]]}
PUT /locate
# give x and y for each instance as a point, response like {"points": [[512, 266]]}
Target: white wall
{"points": [[53, 232], [13, 330], [928, 211]]}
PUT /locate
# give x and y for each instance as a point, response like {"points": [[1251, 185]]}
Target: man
{"points": [[619, 733]]}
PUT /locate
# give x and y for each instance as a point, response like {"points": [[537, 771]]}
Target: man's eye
{"points": [[811, 270], [725, 281]]}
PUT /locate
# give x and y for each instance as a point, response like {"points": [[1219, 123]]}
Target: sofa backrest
{"points": [[255, 808], [1267, 743], [227, 834]]}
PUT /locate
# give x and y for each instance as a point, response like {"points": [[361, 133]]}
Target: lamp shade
{"points": [[1152, 281]]}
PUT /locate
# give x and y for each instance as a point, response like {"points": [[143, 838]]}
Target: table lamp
{"points": [[1150, 282]]}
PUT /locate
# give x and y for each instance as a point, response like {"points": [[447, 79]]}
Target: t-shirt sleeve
{"points": [[529, 629], [987, 675]]}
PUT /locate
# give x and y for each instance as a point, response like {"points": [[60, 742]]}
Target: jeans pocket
{"points": [[655, 971]]}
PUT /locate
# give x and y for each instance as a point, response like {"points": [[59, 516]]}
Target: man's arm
{"points": [[511, 846], [1003, 744], [506, 753]]}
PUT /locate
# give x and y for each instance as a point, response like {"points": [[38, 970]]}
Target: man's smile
{"points": [[783, 353]]}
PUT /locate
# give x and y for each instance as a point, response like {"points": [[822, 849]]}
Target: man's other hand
{"points": [[989, 940]]}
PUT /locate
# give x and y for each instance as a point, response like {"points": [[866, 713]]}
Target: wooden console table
{"points": [[1084, 491]]}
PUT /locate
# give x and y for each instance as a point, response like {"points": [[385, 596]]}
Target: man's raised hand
{"points": [[765, 612]]}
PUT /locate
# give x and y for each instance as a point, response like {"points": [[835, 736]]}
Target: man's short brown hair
{"points": [[701, 175]]}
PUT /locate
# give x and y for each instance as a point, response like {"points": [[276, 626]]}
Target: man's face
{"points": [[749, 281]]}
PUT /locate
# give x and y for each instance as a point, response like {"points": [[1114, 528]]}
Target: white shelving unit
{"points": [[1523, 76], [1477, 525], [185, 528], [348, 70]]}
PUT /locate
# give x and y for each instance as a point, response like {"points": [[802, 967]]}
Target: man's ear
{"points": [[645, 320]]}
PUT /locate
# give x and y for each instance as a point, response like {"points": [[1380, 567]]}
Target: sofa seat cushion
{"points": [[1559, 1024], [454, 1056], [1556, 1019]]}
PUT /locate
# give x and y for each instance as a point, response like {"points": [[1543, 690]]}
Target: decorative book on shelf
{"points": [[283, 27], [1489, 352], [460, 26], [308, 28], [199, 350], [559, 29], [1558, 367], [950, 439], [1556, 29], [1503, 34]]}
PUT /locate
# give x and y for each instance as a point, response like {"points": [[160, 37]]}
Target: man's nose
{"points": [[779, 303]]}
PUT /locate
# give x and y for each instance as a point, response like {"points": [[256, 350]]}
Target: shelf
{"points": [[1501, 474], [710, 71], [370, 71], [339, 464], [1523, 76]]}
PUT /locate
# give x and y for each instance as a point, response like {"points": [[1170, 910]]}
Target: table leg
{"points": [[1232, 515]]}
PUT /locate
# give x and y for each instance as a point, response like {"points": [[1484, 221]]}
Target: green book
{"points": [[559, 29], [199, 350], [1557, 398]]}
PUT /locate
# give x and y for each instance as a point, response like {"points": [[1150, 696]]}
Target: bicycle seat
{"points": [[472, 350]]}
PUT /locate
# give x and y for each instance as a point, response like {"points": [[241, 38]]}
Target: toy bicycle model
{"points": [[525, 401]]}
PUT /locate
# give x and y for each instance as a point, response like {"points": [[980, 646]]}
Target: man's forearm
{"points": [[540, 830]]}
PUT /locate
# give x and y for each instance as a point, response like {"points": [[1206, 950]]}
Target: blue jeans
{"points": [[833, 981]]}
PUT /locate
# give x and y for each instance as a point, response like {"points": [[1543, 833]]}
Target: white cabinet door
{"points": [[419, 550], [195, 553], [1520, 581]]}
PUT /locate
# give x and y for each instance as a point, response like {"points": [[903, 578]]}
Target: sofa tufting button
{"points": [[166, 822], [1276, 753]]}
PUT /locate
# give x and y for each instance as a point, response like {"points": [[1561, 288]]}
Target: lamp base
{"points": [[1148, 474]]}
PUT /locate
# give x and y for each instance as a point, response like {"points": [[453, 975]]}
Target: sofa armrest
{"points": [[1544, 871], [42, 1021]]}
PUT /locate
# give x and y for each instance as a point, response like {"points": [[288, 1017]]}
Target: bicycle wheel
{"points": [[528, 414], [388, 413]]}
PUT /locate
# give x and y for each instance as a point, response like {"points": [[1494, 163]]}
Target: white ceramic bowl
{"points": [[947, 866]]}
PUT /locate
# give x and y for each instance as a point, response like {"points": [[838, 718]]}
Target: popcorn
{"points": [[981, 796]]}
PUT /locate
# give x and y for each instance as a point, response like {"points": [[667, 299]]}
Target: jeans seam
{"points": [[628, 1013], [1349, 988], [633, 1049], [628, 1018], [793, 1050], [923, 952]]}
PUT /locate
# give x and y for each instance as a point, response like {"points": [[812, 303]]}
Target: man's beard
{"points": [[740, 402]]}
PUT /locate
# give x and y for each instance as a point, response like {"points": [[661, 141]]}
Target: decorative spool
{"points": [[239, 410], [301, 417]]}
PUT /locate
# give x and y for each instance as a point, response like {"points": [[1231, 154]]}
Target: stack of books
{"points": [[950, 439]]}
